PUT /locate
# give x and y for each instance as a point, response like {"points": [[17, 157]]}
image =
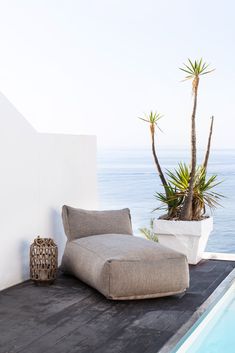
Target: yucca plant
{"points": [[203, 194], [152, 119], [187, 190], [171, 202], [194, 70]]}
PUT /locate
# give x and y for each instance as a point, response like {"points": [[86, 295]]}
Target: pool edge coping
{"points": [[174, 340]]}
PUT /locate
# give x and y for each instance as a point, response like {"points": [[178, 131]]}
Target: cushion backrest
{"points": [[79, 223]]}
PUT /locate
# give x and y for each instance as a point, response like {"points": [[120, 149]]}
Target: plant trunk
{"points": [[198, 209], [159, 169], [205, 163], [187, 208]]}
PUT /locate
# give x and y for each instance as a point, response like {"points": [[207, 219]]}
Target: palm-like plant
{"points": [[187, 189], [152, 119], [203, 194], [206, 159], [172, 202], [194, 71]]}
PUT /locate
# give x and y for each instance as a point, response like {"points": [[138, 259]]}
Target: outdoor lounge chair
{"points": [[102, 251]]}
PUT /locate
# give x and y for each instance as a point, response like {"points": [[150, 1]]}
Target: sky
{"points": [[94, 67]]}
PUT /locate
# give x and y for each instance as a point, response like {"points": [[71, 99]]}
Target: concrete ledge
{"points": [[218, 256]]}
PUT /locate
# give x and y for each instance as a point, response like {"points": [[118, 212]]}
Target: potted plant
{"points": [[188, 191]]}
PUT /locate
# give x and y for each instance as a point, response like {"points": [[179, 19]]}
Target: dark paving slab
{"points": [[70, 317]]}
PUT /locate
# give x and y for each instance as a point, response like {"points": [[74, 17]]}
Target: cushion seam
{"points": [[144, 261], [151, 294]]}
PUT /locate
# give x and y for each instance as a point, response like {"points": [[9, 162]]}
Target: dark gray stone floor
{"points": [[70, 317]]}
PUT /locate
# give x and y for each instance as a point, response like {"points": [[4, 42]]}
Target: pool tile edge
{"points": [[174, 340]]}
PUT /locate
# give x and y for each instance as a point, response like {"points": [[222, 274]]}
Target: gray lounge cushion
{"points": [[80, 223], [126, 267]]}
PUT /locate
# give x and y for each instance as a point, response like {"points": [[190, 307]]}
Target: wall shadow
{"points": [[58, 232], [24, 250]]}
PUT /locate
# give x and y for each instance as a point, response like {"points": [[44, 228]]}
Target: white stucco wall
{"points": [[38, 174]]}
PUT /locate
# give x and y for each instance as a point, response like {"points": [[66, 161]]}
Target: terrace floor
{"points": [[70, 317]]}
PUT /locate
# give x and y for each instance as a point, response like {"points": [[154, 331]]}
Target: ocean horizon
{"points": [[128, 178]]}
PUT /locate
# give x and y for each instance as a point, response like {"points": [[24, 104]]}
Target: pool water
{"points": [[215, 331]]}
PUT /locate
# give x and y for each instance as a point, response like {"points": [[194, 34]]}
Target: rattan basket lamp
{"points": [[43, 260]]}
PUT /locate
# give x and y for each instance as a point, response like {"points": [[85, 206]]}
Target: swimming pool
{"points": [[214, 332]]}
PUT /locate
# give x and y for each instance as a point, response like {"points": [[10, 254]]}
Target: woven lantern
{"points": [[43, 260]]}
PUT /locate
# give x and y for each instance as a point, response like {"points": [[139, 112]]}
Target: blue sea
{"points": [[127, 178]]}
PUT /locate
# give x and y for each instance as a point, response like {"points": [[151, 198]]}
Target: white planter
{"points": [[187, 237]]}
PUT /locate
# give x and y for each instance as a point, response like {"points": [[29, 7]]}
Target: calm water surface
{"points": [[127, 178]]}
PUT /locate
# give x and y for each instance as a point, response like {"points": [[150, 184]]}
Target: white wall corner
{"points": [[39, 173]]}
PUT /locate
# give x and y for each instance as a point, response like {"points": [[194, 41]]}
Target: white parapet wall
{"points": [[38, 174]]}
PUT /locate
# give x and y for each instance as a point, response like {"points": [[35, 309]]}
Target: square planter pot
{"points": [[187, 237]]}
